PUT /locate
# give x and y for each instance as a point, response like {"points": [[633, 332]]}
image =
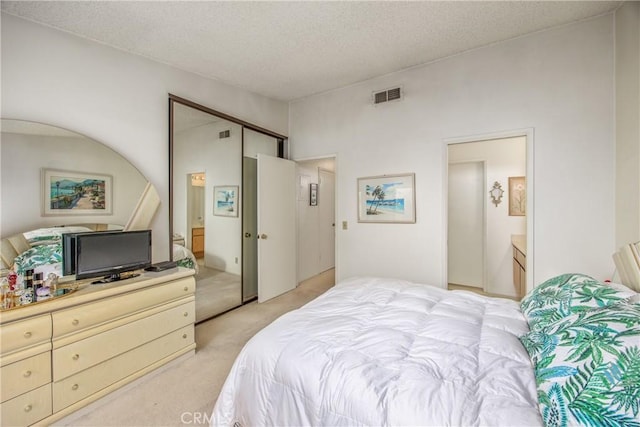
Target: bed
{"points": [[184, 257], [375, 351]]}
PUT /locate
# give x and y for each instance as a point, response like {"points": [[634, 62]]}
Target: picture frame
{"points": [[387, 199], [313, 194], [225, 200], [517, 196], [73, 193]]}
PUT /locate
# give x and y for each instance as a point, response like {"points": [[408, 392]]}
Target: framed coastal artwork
{"points": [[76, 193], [387, 199], [225, 200], [517, 196]]}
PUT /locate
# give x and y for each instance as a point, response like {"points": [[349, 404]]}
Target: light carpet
{"points": [[184, 393]]}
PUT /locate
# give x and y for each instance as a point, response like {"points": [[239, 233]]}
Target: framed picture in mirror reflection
{"points": [[76, 193], [225, 200]]}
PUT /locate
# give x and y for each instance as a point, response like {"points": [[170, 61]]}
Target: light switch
{"points": [[344, 225]]}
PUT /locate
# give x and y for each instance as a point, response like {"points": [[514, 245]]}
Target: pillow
{"points": [[39, 256], [587, 367], [567, 294], [636, 296]]}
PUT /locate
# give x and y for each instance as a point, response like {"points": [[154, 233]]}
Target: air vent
{"points": [[394, 94], [225, 134]]}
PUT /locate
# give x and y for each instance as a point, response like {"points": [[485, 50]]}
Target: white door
{"points": [[466, 224], [327, 211], [276, 226]]}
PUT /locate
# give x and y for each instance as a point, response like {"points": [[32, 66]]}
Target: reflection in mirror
{"points": [[254, 143], [206, 155], [39, 200]]}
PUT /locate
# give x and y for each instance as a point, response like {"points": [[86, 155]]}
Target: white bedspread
{"points": [[385, 352]]}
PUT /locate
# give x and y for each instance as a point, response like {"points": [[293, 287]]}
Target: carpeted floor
{"points": [[216, 292], [185, 392]]}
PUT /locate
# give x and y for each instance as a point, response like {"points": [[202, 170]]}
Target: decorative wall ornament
{"points": [[496, 193]]}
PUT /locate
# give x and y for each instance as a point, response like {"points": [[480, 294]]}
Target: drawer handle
{"points": [[75, 357], [75, 322], [27, 374], [186, 288], [28, 408], [28, 334], [184, 335], [75, 387], [186, 313]]}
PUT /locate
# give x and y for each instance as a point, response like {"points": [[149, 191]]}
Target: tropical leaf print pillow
{"points": [[587, 367], [567, 294], [38, 256]]}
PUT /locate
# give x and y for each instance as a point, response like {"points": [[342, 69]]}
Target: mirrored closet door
{"points": [[213, 197]]}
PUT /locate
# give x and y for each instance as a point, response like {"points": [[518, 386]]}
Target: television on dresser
{"points": [[108, 254]]}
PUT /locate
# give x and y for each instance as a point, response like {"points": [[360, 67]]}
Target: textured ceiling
{"points": [[289, 50]]}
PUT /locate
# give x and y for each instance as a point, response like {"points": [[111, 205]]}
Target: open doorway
{"points": [[487, 219], [195, 213], [316, 218]]}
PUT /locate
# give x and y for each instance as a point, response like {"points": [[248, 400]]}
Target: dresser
{"points": [[60, 355]]}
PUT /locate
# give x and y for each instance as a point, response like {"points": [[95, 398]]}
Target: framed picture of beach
{"points": [[387, 199], [76, 193], [225, 200]]}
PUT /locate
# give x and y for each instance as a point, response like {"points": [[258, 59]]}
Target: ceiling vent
{"points": [[225, 134], [394, 94]]}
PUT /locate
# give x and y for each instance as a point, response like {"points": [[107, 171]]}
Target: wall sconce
{"points": [[496, 193]]}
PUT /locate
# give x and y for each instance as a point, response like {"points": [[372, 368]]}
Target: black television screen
{"points": [[109, 253], [69, 253]]}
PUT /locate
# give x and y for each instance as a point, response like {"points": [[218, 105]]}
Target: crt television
{"points": [[110, 253]]}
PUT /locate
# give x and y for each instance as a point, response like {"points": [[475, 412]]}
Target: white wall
{"points": [[503, 158], [627, 123], [558, 82], [113, 97]]}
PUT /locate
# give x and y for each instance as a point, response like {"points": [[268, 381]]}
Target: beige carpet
{"points": [[216, 292], [185, 393]]}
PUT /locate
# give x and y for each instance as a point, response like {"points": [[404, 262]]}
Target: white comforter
{"points": [[385, 352]]}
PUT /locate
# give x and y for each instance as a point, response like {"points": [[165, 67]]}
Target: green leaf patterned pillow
{"points": [[38, 256], [587, 367], [567, 294]]}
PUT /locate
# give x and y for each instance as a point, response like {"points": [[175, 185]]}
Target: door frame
{"points": [[528, 134], [336, 207], [484, 219]]}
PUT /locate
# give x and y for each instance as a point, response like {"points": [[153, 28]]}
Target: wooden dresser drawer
{"points": [[83, 384], [25, 333], [92, 314], [27, 408], [83, 354], [25, 375], [520, 258]]}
